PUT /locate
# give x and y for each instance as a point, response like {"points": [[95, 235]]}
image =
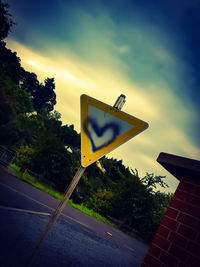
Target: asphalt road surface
{"points": [[75, 240]]}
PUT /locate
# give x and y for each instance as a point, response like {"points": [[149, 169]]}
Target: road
{"points": [[75, 240]]}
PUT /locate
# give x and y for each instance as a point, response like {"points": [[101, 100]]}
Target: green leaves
{"points": [[151, 181], [24, 155], [122, 195], [101, 201]]}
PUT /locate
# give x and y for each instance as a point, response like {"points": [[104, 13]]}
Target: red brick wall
{"points": [[177, 241]]}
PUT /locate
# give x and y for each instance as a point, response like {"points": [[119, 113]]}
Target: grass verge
{"points": [[50, 191]]}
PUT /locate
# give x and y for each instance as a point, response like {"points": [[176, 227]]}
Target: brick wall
{"points": [[177, 241]]}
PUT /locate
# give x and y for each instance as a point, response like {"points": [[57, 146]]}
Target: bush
{"points": [[24, 156], [101, 202]]}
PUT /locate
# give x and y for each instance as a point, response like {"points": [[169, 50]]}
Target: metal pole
{"points": [[56, 213]]}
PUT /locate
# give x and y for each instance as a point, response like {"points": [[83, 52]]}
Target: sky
{"points": [[147, 50]]}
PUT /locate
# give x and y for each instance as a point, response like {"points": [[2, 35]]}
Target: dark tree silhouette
{"points": [[29, 82], [44, 96], [5, 20], [9, 63]]}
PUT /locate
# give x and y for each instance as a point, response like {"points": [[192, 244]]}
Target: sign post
{"points": [[56, 213], [103, 128]]}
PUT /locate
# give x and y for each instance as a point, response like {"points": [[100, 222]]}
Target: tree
{"points": [[69, 136], [13, 100], [9, 63], [101, 201], [23, 102], [44, 95], [6, 21], [55, 115], [7, 101], [151, 181], [22, 130], [54, 162], [24, 156], [29, 82]]}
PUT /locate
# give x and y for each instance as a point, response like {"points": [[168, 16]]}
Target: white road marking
{"points": [[109, 233], [23, 210], [20, 193], [43, 205]]}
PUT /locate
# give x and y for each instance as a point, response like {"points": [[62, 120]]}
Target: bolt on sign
{"points": [[104, 128]]}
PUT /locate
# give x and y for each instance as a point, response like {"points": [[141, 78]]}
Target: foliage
{"points": [[24, 155], [7, 100], [90, 212], [6, 21], [44, 96], [151, 180], [69, 136], [10, 64], [101, 201], [57, 165]]}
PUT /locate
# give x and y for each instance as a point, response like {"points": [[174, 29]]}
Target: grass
{"points": [[50, 191], [90, 212], [33, 181]]}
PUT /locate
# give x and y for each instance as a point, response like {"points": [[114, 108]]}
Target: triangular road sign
{"points": [[104, 128]]}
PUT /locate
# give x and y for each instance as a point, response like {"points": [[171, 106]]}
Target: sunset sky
{"points": [[146, 50]]}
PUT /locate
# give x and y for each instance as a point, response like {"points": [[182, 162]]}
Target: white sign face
{"points": [[104, 128]]}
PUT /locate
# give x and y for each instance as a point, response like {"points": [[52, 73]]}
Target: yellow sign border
{"points": [[139, 126]]}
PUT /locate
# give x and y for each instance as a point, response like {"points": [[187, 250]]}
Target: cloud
{"points": [[71, 72], [180, 143], [154, 102], [123, 49]]}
